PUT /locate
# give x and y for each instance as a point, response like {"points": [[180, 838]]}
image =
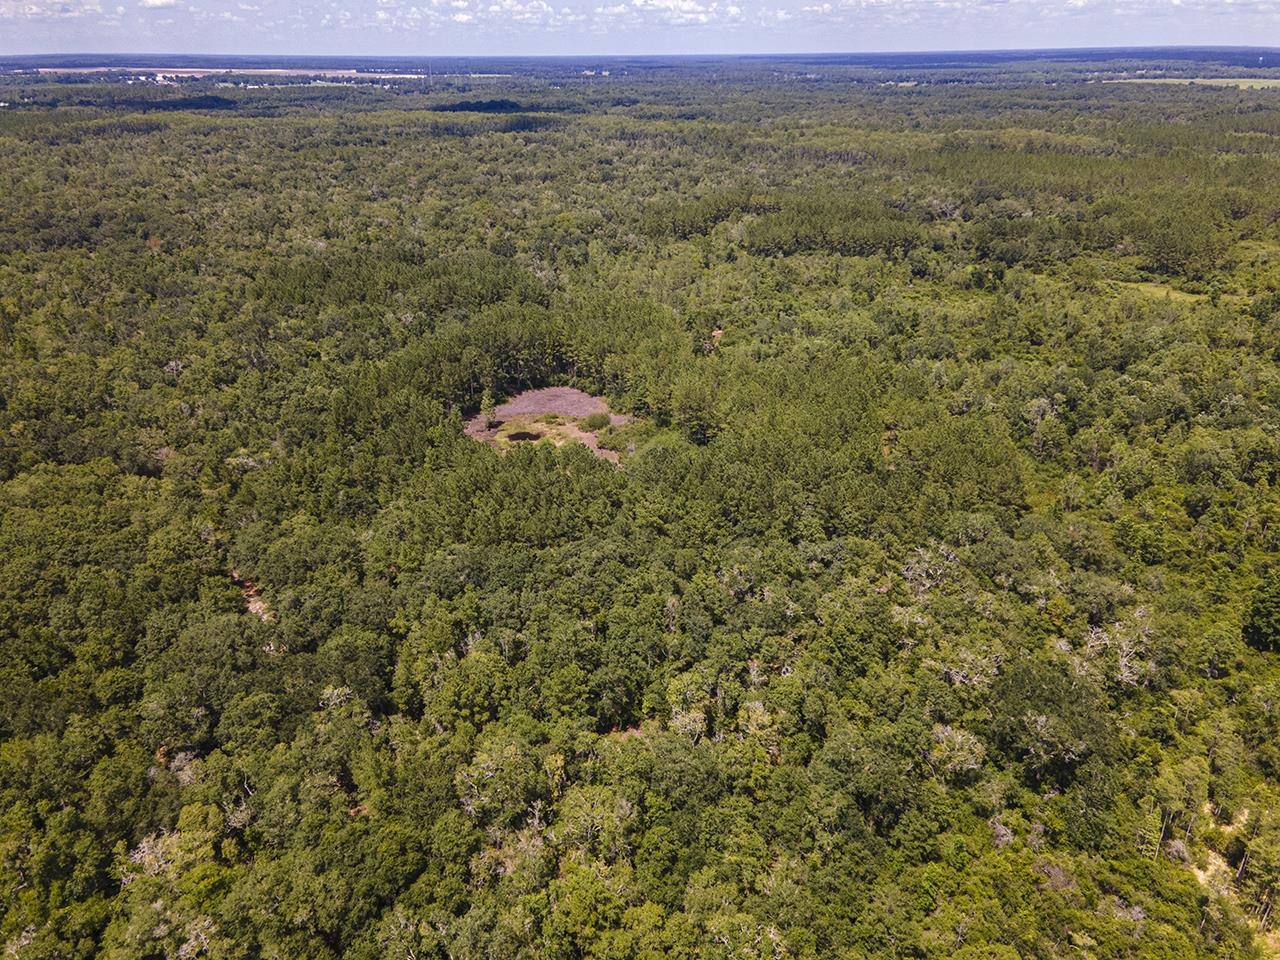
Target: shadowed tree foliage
{"points": [[1262, 622]]}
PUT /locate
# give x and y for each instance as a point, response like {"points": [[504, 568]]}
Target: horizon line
{"points": [[1139, 47]]}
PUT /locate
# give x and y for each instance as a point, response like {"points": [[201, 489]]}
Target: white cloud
{"points": [[48, 9], [557, 26]]}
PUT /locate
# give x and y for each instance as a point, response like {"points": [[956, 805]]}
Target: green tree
{"points": [[1262, 621]]}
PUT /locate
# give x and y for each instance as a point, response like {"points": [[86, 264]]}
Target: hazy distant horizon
{"points": [[852, 52], [622, 27], [88, 60]]}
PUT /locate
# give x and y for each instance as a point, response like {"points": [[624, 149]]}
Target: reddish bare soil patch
{"points": [[253, 601], [565, 401]]}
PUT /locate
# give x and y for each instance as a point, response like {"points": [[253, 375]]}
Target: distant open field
{"points": [[1243, 83], [261, 72]]}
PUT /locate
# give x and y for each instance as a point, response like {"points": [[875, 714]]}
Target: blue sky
{"points": [[477, 27]]}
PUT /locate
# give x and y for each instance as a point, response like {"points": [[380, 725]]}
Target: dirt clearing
{"points": [[550, 413]]}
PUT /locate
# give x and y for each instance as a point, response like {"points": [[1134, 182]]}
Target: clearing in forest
{"points": [[253, 601], [1242, 83], [1161, 291], [558, 414]]}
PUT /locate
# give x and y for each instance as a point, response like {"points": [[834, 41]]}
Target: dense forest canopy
{"points": [[932, 609]]}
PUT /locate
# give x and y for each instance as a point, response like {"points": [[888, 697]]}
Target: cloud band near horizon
{"points": [[478, 27]]}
